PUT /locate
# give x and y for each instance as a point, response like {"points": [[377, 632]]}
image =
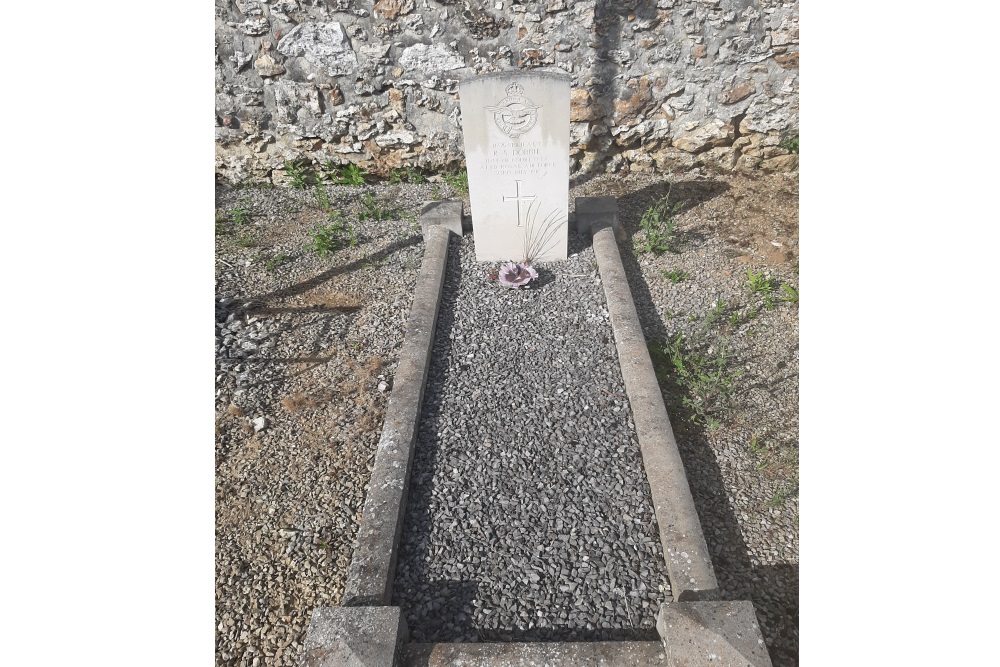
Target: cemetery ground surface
{"points": [[313, 288]]}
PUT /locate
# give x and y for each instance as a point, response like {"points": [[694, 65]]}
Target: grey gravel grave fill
{"points": [[529, 515]]}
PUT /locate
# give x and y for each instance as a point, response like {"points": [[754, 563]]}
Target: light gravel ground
{"points": [[529, 516], [309, 346]]}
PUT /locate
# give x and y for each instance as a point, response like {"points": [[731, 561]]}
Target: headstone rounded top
{"points": [[516, 74]]}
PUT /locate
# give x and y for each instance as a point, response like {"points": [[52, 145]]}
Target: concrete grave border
{"points": [[688, 564], [368, 632]]}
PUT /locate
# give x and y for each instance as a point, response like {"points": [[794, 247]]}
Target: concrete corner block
{"points": [[722, 634], [447, 212], [354, 637], [590, 211]]}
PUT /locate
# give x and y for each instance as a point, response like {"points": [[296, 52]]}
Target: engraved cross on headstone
{"points": [[520, 198]]}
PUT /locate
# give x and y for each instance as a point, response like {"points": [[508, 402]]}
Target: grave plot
{"points": [[529, 515]]}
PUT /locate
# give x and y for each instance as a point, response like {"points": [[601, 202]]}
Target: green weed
{"points": [[322, 198], [273, 263], [331, 237], [300, 173], [373, 209], [759, 283], [436, 193], [790, 143], [791, 294], [235, 221], [406, 175], [675, 276], [781, 495], [458, 180], [717, 310], [240, 216], [659, 226], [350, 174], [706, 379]]}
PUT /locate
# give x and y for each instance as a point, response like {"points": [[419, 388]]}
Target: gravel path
{"points": [[529, 516]]}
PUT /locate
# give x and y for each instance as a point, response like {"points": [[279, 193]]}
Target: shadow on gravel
{"points": [[768, 587], [319, 279]]}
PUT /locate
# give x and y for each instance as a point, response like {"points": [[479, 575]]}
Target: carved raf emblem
{"points": [[515, 114]]}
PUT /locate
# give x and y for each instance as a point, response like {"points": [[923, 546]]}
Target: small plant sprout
{"points": [[759, 283], [791, 294], [299, 173], [239, 216], [516, 274], [322, 198], [659, 226], [327, 238], [790, 143], [675, 276], [458, 180], [350, 174], [373, 209], [274, 262]]}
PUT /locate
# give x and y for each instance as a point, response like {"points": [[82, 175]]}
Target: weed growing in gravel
{"points": [[302, 177], [350, 174], [414, 226], [675, 276], [458, 180], [436, 193], [659, 226], [327, 238], [245, 239], [322, 198], [705, 378], [781, 495], [240, 216], [373, 209], [407, 175], [761, 284], [717, 310], [274, 262], [791, 294]]}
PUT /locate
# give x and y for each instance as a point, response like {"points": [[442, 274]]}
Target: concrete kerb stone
{"points": [[689, 567], [590, 210], [373, 564], [354, 637], [447, 212], [547, 654], [712, 633]]}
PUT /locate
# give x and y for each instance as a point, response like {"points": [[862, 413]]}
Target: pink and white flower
{"points": [[516, 274]]}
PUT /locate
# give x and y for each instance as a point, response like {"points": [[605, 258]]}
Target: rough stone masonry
{"points": [[656, 84]]}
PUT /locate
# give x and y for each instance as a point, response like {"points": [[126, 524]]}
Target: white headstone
{"points": [[516, 130]]}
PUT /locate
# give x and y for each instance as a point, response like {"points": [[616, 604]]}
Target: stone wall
{"points": [[657, 84]]}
